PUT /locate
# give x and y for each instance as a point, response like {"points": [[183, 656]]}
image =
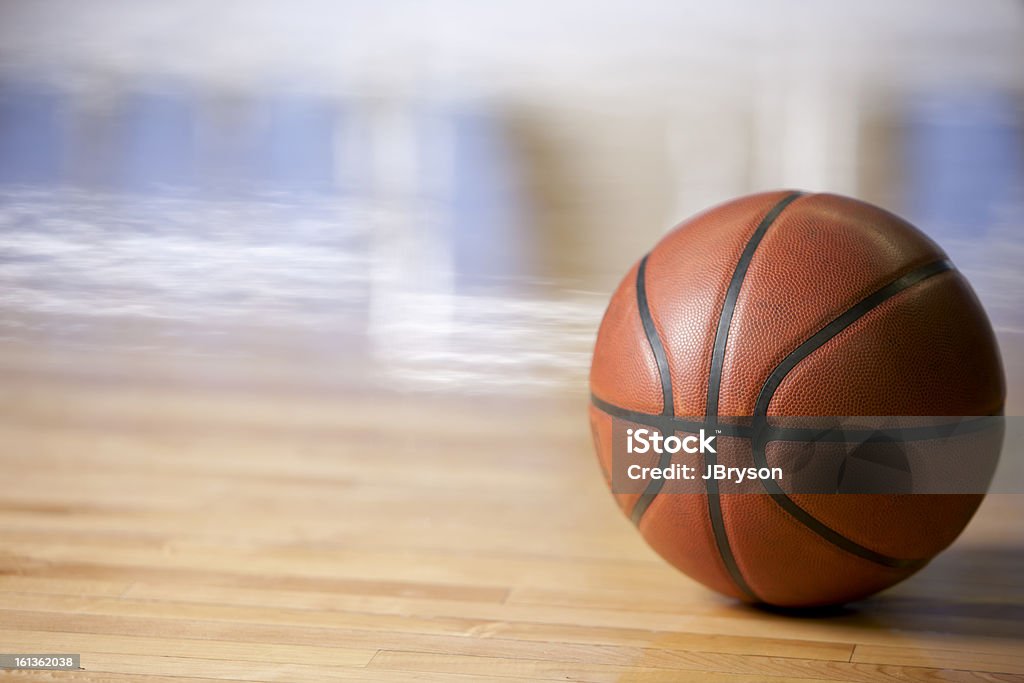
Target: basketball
{"points": [[779, 305]]}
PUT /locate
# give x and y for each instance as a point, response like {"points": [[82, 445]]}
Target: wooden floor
{"points": [[206, 518]]}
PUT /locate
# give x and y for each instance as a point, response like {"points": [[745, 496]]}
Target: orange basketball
{"points": [[791, 304]]}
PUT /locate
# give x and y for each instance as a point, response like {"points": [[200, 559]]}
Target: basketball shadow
{"points": [[969, 591], [973, 590]]}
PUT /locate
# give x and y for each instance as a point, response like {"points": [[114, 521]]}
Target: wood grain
{"points": [[187, 529]]}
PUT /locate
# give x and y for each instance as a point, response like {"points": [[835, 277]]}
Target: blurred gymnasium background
{"points": [[453, 188]]}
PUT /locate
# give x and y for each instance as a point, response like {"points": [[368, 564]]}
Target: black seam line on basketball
{"points": [[665, 422], [771, 433], [732, 294], [721, 536], [714, 386], [668, 404], [651, 332], [968, 425], [816, 341]]}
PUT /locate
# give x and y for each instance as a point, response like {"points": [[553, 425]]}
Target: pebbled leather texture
{"points": [[688, 274], [823, 254], [928, 350], [624, 371]]}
